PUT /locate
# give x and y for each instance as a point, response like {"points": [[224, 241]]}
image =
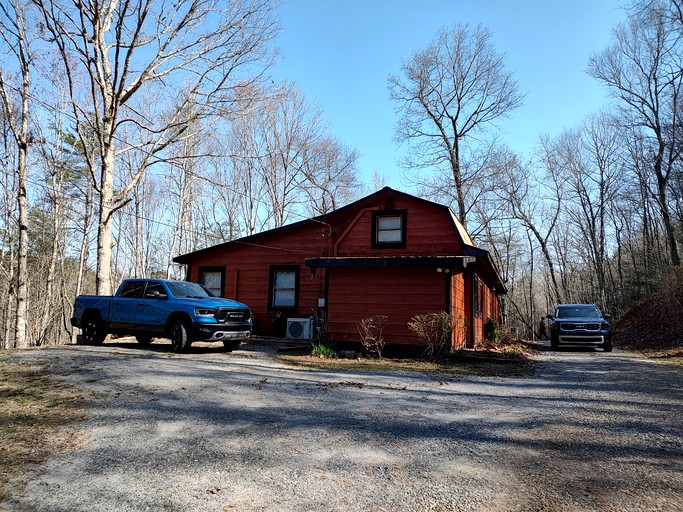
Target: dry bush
{"points": [[506, 343], [370, 331], [432, 330]]}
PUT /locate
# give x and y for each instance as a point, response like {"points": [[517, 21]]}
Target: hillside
{"points": [[654, 325]]}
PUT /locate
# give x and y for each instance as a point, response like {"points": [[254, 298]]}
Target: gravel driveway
{"points": [[211, 431]]}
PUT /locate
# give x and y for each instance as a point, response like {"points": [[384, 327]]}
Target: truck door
{"points": [[124, 306], [152, 308]]}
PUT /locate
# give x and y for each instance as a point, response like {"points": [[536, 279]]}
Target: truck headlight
{"points": [[204, 312]]}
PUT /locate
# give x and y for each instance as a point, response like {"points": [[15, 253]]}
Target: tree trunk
{"points": [[85, 244], [668, 224], [20, 334], [103, 284]]}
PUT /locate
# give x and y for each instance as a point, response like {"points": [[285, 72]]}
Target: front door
{"points": [[152, 309]]}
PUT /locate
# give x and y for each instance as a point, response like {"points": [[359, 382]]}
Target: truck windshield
{"points": [[186, 289]]}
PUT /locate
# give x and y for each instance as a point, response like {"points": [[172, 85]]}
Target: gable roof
{"points": [[464, 238], [253, 239]]}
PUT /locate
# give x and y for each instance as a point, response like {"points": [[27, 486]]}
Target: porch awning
{"points": [[391, 261], [439, 262]]}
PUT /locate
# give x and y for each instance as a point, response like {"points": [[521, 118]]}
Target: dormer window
{"points": [[389, 229]]}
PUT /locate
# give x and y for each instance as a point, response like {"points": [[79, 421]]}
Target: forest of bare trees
{"points": [[134, 131]]}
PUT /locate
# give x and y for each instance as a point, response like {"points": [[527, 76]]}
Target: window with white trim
{"points": [[283, 287], [212, 281], [389, 229], [213, 278]]}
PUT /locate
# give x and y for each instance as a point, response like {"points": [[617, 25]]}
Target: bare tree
{"points": [[282, 160], [331, 177], [290, 129], [55, 159], [241, 177], [590, 161], [643, 69], [8, 235], [201, 45], [14, 24], [536, 206], [452, 91]]}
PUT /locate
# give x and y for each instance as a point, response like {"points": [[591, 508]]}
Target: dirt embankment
{"points": [[654, 325]]}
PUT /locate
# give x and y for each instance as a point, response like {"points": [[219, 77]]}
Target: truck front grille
{"points": [[232, 316]]}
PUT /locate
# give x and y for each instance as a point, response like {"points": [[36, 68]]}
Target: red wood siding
{"points": [[428, 232], [487, 308], [398, 292], [247, 272], [458, 311]]}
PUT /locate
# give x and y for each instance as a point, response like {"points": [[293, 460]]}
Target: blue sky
{"points": [[340, 53]]}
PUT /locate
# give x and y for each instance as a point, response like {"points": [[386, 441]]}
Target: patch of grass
{"points": [[455, 365], [36, 412], [322, 350]]}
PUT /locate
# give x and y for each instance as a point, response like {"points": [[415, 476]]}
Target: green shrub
{"points": [[491, 330]]}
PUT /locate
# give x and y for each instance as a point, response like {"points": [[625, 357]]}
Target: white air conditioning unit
{"points": [[299, 328]]}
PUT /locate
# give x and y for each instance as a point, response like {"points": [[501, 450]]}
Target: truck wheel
{"points": [[231, 345], [93, 333], [180, 338], [144, 339], [607, 346]]}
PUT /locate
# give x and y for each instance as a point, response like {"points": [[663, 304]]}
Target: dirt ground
{"points": [[210, 430]]}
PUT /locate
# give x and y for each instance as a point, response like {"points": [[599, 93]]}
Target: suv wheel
{"points": [[607, 346], [554, 342]]}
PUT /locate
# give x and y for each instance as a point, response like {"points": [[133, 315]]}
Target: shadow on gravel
{"points": [[587, 431], [164, 346], [546, 348], [606, 434]]}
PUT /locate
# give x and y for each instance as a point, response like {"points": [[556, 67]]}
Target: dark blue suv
{"points": [[580, 325]]}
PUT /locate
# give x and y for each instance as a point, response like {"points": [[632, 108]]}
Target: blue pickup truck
{"points": [[155, 308]]}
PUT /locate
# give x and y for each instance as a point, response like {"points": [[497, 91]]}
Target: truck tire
{"points": [[554, 342], [180, 337], [93, 332], [144, 339], [231, 345], [607, 346]]}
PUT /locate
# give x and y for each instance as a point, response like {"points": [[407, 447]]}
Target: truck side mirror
{"points": [[155, 294], [549, 317]]}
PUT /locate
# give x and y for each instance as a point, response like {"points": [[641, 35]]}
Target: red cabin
{"points": [[389, 253]]}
